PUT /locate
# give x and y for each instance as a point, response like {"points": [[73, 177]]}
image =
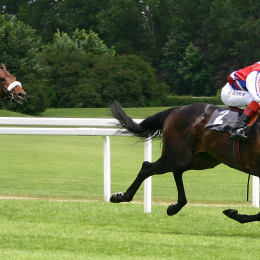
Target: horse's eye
{"points": [[2, 79]]}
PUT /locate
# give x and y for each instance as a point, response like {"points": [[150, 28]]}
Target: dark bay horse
{"points": [[10, 89], [187, 145]]}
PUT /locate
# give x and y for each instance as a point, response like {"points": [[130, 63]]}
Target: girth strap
{"points": [[236, 155]]}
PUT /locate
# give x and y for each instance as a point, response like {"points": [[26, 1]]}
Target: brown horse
{"points": [[187, 145], [10, 89]]}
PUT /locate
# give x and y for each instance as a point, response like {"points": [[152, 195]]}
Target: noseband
{"points": [[8, 91]]}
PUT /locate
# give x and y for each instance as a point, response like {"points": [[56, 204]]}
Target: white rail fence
{"points": [[79, 126], [82, 126]]}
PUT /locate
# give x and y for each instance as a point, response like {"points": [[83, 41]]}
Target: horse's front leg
{"points": [[241, 218], [129, 194], [148, 169], [182, 201]]}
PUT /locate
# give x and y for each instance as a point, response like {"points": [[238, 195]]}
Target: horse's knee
{"points": [[155, 168], [146, 165], [145, 170]]}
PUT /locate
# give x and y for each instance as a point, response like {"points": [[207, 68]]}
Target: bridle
{"points": [[8, 91]]}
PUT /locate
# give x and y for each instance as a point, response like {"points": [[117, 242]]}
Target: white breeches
{"points": [[235, 98], [240, 98]]}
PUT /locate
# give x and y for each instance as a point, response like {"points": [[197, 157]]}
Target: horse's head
{"points": [[10, 89]]}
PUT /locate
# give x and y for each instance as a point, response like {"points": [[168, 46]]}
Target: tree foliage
{"points": [[226, 35], [85, 73], [193, 45], [80, 14], [193, 72], [136, 27]]}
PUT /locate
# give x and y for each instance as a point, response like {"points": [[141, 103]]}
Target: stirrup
{"points": [[239, 134]]}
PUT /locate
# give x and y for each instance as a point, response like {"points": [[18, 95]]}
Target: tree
{"points": [[11, 7], [80, 14], [42, 15], [136, 27], [189, 17], [195, 76], [69, 60], [230, 34], [225, 33], [85, 73], [129, 80], [46, 16], [20, 49], [173, 54], [91, 43]]}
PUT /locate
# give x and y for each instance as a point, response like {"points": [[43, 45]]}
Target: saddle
{"points": [[224, 119]]}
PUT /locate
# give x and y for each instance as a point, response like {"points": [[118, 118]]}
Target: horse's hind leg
{"points": [[241, 218], [182, 201], [148, 169]]}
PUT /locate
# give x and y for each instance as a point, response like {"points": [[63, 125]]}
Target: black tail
{"points": [[150, 127]]}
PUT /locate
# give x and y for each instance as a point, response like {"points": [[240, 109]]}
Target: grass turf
{"points": [[78, 230], [135, 112]]}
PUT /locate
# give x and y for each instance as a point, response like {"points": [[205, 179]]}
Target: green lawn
{"points": [[76, 230], [135, 112], [10, 113]]}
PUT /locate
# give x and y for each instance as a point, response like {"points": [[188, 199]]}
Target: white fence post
{"points": [[148, 181], [255, 192], [107, 168]]}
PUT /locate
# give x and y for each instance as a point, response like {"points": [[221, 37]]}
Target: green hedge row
{"points": [[186, 100]]}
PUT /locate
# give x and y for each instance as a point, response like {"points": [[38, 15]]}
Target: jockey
{"points": [[243, 89]]}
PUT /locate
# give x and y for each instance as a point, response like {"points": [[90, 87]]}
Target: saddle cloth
{"points": [[223, 119]]}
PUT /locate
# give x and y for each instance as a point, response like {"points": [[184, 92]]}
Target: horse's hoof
{"points": [[230, 212], [172, 210], [116, 197]]}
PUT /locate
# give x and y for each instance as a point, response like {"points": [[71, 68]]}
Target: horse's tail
{"points": [[150, 127]]}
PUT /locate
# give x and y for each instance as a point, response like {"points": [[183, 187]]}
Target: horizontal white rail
{"points": [[46, 121], [58, 131], [81, 130]]}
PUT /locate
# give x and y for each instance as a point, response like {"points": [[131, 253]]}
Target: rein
{"points": [[236, 155], [238, 163], [236, 152]]}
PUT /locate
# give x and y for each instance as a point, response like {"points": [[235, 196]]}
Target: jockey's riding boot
{"points": [[239, 132]]}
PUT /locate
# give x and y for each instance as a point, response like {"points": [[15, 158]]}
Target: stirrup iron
{"points": [[239, 134], [241, 131]]}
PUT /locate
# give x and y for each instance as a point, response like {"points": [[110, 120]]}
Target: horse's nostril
{"points": [[22, 95]]}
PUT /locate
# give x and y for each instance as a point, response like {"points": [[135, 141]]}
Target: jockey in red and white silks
{"points": [[243, 89]]}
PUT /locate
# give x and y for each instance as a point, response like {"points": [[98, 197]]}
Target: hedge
{"points": [[187, 100]]}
